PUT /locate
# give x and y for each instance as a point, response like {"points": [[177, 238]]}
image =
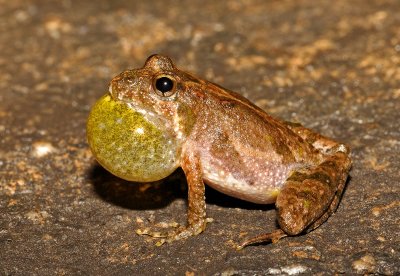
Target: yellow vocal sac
{"points": [[128, 145]]}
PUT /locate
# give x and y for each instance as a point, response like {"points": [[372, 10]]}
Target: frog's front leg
{"points": [[196, 204], [308, 197], [196, 215]]}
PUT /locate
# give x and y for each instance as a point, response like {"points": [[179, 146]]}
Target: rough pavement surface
{"points": [[334, 66]]}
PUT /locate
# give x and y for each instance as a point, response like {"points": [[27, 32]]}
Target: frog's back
{"points": [[244, 151]]}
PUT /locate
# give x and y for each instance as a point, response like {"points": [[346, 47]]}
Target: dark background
{"points": [[332, 65]]}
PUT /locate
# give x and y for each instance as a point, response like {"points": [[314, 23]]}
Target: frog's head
{"points": [[156, 88], [137, 130]]}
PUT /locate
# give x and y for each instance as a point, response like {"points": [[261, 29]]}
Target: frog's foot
{"points": [[267, 237], [149, 231], [179, 232], [162, 235], [191, 230]]}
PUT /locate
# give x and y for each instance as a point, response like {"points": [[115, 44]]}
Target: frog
{"points": [[158, 118]]}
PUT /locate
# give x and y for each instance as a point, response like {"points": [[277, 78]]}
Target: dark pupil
{"points": [[164, 84]]}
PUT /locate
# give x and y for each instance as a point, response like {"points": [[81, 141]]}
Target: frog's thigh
{"points": [[318, 141], [309, 196]]}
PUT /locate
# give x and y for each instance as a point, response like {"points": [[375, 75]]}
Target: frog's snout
{"points": [[130, 84], [119, 84], [110, 89]]}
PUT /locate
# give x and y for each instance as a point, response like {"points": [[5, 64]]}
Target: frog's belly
{"points": [[260, 182]]}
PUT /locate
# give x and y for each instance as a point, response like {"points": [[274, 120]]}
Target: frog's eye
{"points": [[164, 85]]}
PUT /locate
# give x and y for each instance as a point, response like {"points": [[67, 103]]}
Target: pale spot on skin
{"points": [[139, 130]]}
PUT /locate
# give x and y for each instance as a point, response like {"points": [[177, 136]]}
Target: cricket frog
{"points": [[158, 118]]}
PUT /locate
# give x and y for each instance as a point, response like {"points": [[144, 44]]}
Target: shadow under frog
{"points": [[135, 195], [156, 195], [158, 118]]}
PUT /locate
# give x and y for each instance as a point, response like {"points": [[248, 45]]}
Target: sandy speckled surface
{"points": [[334, 66]]}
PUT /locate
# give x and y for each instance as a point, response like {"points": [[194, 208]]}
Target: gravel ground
{"points": [[334, 66]]}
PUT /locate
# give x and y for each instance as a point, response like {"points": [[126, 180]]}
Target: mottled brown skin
{"points": [[238, 149]]}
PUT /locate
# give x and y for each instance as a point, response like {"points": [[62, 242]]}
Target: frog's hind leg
{"points": [[324, 144], [337, 157], [310, 195]]}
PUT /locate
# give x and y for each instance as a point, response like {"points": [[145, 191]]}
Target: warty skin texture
{"points": [[220, 138]]}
